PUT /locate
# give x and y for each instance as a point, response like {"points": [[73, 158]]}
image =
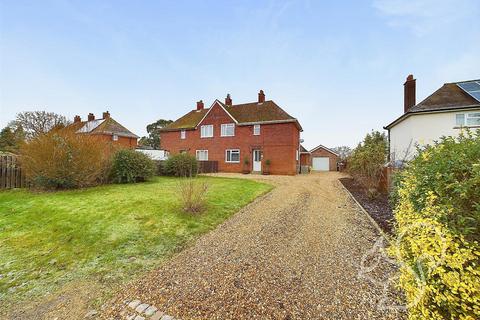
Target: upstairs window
{"points": [[115, 137], [183, 134], [232, 155], [202, 155], [468, 119], [206, 131], [228, 130], [256, 130]]}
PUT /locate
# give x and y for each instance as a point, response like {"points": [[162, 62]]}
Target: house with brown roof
{"points": [[106, 129], [257, 136], [446, 112]]}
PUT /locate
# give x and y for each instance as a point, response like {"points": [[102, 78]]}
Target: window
{"points": [[297, 155], [202, 155], [206, 131], [232, 155], [115, 137], [256, 130], [183, 134], [467, 119], [228, 130]]}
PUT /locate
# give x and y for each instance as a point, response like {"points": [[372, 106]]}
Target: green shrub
{"points": [[367, 161], [130, 166], [181, 165], [438, 214], [62, 159]]}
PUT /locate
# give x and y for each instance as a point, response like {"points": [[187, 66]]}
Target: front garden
{"points": [[108, 233]]}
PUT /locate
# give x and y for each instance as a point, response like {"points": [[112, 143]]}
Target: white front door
{"points": [[257, 160], [321, 163]]}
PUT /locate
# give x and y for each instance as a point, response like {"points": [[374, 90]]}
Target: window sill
{"points": [[232, 161], [466, 127], [206, 137]]}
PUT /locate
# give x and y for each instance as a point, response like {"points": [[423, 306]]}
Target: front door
{"points": [[257, 160]]}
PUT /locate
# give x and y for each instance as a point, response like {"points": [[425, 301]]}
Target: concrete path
{"points": [[297, 253]]}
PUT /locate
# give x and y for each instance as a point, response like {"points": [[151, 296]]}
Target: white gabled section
{"points": [[216, 102], [324, 148]]}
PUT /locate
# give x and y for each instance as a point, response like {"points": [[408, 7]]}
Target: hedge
{"points": [[437, 211]]}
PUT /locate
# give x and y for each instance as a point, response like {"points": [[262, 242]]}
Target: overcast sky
{"points": [[337, 66]]}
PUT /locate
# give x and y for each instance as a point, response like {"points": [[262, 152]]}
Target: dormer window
{"points": [[228, 130]]}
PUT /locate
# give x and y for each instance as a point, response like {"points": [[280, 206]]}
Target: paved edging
{"points": [[372, 221]]}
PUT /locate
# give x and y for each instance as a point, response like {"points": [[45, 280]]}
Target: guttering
{"points": [[409, 113], [272, 122]]}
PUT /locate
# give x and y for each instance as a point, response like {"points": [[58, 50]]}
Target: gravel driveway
{"points": [[292, 254]]}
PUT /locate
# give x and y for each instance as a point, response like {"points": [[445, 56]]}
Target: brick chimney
{"points": [[409, 88], [106, 115], [91, 117], [228, 100], [200, 105], [77, 119], [261, 97]]}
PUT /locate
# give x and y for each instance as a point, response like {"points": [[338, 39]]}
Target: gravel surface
{"points": [[295, 253]]}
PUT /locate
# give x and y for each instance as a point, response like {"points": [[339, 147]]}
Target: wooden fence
{"points": [[207, 166], [11, 174]]}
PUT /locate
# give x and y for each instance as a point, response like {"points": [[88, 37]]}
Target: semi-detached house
{"points": [[259, 133]]}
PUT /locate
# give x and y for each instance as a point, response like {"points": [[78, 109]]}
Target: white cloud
{"points": [[425, 16]]}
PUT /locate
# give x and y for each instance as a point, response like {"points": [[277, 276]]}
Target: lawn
{"points": [[110, 233]]}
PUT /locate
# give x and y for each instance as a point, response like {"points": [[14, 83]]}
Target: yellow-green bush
{"points": [[437, 210]]}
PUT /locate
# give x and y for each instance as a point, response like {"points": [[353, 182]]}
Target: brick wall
{"points": [[278, 142], [124, 142]]}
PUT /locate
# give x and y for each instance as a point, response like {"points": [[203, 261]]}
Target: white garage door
{"points": [[321, 163]]}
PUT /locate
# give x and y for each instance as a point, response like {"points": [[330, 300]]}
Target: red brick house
{"points": [[106, 129], [258, 133]]}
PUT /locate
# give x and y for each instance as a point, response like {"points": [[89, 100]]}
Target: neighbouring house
{"points": [[446, 112], [324, 159], [257, 136], [106, 129]]}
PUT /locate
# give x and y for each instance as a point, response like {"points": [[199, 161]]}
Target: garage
{"points": [[323, 159], [321, 163]]}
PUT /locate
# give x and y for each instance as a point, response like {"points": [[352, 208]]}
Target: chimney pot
{"points": [[77, 119], [91, 117], [261, 97], [228, 100], [409, 93], [106, 115], [200, 105]]}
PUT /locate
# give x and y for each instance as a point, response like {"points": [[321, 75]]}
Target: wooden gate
{"points": [[11, 174]]}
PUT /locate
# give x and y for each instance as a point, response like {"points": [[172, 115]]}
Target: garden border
{"points": [[372, 221]]}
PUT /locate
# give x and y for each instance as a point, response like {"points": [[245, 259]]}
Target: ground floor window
{"points": [[232, 155], [202, 155]]}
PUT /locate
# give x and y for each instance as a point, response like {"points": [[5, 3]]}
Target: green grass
{"points": [[110, 232]]}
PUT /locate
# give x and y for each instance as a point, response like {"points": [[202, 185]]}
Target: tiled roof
{"points": [[103, 126], [246, 113], [448, 97]]}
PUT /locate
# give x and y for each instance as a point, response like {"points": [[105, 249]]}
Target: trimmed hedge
{"points": [[181, 165], [437, 210], [129, 166]]}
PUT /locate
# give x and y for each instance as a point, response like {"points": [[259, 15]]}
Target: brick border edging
{"points": [[372, 221]]}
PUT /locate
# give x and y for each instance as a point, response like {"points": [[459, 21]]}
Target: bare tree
{"points": [[343, 151], [35, 123]]}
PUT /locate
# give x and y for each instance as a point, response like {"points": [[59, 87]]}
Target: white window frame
{"points": [[225, 130], [467, 116], [183, 134], [256, 130], [199, 153], [115, 137], [204, 133], [230, 151]]}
